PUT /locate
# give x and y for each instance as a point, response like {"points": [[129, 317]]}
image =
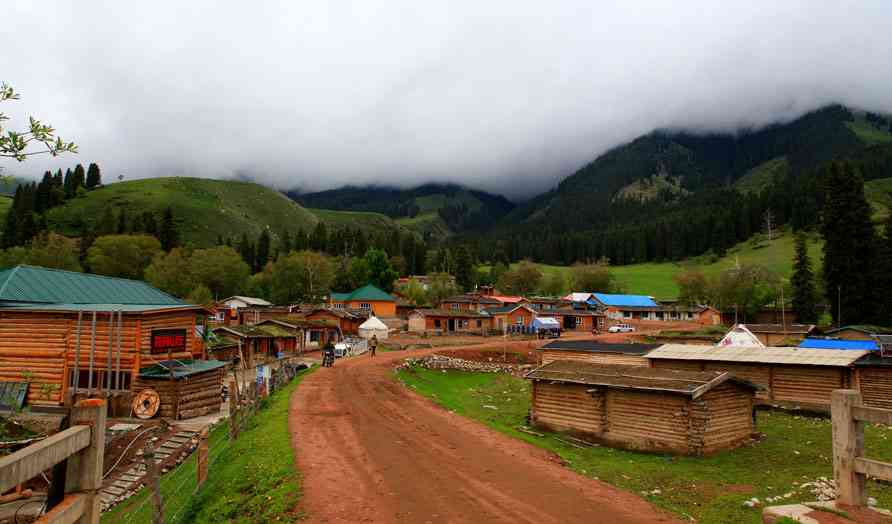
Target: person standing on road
{"points": [[373, 345]]}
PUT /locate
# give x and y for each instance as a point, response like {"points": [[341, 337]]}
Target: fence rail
{"points": [[850, 467], [81, 447]]}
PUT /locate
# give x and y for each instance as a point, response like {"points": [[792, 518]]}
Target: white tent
{"points": [[373, 327], [740, 336]]}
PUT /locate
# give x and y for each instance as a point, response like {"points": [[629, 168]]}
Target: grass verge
{"points": [[253, 479], [796, 450]]}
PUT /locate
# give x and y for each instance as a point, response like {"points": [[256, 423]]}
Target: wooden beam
{"points": [[874, 468], [848, 446], [873, 415], [31, 461], [69, 511]]}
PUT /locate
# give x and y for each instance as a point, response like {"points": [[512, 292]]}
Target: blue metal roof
{"points": [[625, 300], [824, 343]]}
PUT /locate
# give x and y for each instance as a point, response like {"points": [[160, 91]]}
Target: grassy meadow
{"points": [[657, 278], [795, 450]]}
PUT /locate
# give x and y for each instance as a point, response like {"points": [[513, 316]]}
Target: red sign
{"points": [[168, 340]]}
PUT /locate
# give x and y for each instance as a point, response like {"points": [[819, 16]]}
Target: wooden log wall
{"points": [[32, 349], [876, 386], [726, 414], [187, 397], [648, 421], [172, 320], [598, 358], [756, 373], [567, 407]]}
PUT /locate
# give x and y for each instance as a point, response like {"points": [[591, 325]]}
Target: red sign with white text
{"points": [[168, 341]]}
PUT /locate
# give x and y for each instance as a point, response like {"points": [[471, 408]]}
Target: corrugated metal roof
{"points": [[693, 383], [366, 292], [593, 346], [33, 284], [126, 308], [762, 355], [578, 297], [451, 313], [847, 345], [251, 301], [180, 368], [625, 300]]}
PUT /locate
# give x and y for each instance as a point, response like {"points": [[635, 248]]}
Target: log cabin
{"points": [[231, 311], [71, 335], [596, 352], [781, 334], [646, 409], [576, 319], [791, 377], [187, 389], [348, 320]]}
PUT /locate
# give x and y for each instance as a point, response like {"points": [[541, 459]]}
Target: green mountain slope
{"points": [[203, 209], [365, 220], [432, 209]]}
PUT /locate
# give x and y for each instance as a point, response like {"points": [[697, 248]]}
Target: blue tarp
{"points": [[823, 343], [625, 300]]}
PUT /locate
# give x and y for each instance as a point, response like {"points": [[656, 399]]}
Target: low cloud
{"points": [[505, 96]]}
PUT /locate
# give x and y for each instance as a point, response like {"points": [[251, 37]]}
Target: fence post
{"points": [[233, 409], [202, 456], [84, 469], [848, 444], [154, 484]]}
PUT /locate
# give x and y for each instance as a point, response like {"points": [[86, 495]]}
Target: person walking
{"points": [[373, 345]]}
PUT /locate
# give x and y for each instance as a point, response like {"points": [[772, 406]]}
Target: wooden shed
{"points": [[596, 352], [647, 409], [576, 319], [190, 388], [781, 334], [792, 377], [71, 335]]}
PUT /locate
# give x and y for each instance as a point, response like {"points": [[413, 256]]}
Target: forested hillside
{"points": [[433, 209], [669, 196]]}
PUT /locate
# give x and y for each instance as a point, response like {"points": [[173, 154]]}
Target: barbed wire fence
{"points": [[172, 508]]}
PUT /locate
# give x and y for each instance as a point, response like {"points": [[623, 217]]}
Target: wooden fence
{"points": [[81, 447], [850, 467]]}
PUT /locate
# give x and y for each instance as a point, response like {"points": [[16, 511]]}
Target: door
{"points": [[451, 324], [569, 322]]}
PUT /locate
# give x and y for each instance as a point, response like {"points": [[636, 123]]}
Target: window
{"points": [[454, 305], [437, 323], [365, 305], [339, 306], [479, 323], [99, 379], [627, 314]]}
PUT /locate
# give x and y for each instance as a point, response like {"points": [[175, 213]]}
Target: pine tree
{"points": [[285, 243], [78, 178], [94, 177], [883, 275], [464, 269], [68, 184], [107, 224], [87, 239], [803, 281], [262, 255], [849, 250], [167, 233]]}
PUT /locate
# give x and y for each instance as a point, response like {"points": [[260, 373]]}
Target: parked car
{"points": [[621, 328]]}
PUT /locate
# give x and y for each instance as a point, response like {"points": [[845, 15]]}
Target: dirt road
{"points": [[370, 450]]}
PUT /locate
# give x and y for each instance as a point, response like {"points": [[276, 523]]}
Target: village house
{"points": [[369, 298], [347, 320], [511, 318], [576, 319], [859, 332], [546, 303], [186, 389], [469, 301], [72, 335], [596, 352], [254, 344], [425, 280], [626, 308], [230, 311], [446, 321], [633, 407]]}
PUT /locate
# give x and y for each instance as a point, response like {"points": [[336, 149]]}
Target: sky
{"points": [[505, 96]]}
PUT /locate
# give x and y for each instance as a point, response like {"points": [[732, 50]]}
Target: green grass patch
{"points": [[869, 133], [365, 220], [253, 480], [760, 177], [796, 449]]}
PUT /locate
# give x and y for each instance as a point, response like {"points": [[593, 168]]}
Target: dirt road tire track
{"points": [[370, 450]]}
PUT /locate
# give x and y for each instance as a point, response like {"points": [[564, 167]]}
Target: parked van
{"points": [[621, 328]]}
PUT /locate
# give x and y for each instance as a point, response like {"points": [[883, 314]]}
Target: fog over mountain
{"points": [[503, 96]]}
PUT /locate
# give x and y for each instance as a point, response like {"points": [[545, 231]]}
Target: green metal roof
{"points": [[367, 292], [180, 368], [38, 285], [104, 308]]}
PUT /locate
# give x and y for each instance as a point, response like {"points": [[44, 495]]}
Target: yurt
{"points": [[373, 327]]}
